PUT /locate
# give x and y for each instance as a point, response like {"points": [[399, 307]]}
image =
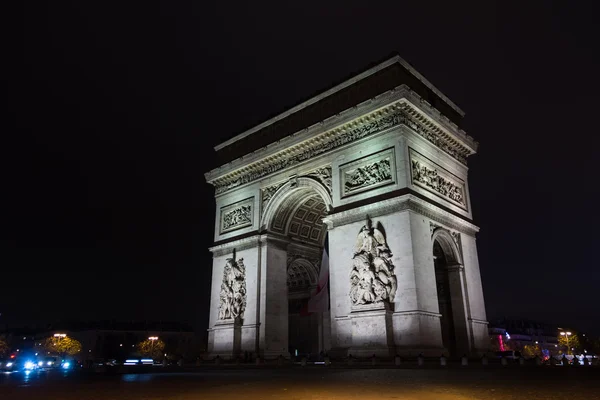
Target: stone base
{"points": [[412, 352], [372, 331], [226, 339]]}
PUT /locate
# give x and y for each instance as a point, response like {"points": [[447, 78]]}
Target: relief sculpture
{"points": [[323, 175], [233, 290], [430, 178], [372, 278], [367, 175], [236, 216], [267, 194]]}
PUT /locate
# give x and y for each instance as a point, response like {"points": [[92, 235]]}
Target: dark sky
{"points": [[111, 113]]}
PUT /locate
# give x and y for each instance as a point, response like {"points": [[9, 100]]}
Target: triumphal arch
{"points": [[377, 165]]}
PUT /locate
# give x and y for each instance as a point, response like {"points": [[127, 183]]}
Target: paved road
{"points": [[315, 383]]}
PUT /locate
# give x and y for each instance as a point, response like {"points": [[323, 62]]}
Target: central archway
{"points": [[296, 213]]}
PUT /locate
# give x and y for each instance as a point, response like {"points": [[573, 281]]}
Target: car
{"points": [[8, 364], [13, 364]]}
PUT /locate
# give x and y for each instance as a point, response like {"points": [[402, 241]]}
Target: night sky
{"points": [[111, 113]]}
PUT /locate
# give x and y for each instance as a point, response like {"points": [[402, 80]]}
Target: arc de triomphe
{"points": [[379, 164]]}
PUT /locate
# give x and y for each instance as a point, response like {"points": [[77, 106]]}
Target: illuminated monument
{"points": [[380, 164]]}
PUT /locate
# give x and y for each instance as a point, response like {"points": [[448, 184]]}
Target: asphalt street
{"points": [[315, 383]]}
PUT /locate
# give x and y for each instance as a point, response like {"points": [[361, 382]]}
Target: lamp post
{"points": [[566, 335], [152, 339]]}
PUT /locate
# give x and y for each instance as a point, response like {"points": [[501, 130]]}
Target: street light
{"points": [[566, 334], [60, 335], [152, 339]]}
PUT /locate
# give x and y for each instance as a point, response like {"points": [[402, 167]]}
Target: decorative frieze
{"points": [[435, 179], [367, 173], [237, 215], [232, 299], [372, 278], [398, 204], [378, 121]]}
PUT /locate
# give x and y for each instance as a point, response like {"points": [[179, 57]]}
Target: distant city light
{"points": [[61, 335], [153, 338]]}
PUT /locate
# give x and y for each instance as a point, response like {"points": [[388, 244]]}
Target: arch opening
{"points": [[450, 293], [442, 280], [296, 212]]}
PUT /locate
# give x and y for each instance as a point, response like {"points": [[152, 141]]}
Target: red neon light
{"points": [[501, 342]]}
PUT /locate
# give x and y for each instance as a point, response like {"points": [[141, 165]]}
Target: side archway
{"points": [[451, 292], [444, 239]]}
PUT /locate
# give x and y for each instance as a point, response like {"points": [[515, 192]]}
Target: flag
{"points": [[319, 301]]}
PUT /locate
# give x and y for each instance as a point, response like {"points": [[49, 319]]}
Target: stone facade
{"points": [[387, 180]]}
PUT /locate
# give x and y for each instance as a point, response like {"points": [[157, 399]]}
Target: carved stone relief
{"points": [[435, 179], [455, 235], [367, 173], [233, 290], [372, 278], [379, 121], [267, 194], [302, 272], [323, 175], [236, 216]]}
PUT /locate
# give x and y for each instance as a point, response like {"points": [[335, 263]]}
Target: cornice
{"points": [[238, 245], [401, 203], [393, 108]]}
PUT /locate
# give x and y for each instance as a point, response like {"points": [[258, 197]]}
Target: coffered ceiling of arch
{"points": [[301, 275], [302, 218]]}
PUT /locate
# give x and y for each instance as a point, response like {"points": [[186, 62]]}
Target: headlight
{"points": [[66, 365], [29, 365], [9, 364]]}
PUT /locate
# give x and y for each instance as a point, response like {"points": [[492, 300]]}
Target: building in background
{"points": [[103, 340], [515, 334]]}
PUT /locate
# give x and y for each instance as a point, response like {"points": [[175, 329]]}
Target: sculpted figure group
{"points": [[372, 278], [233, 290]]}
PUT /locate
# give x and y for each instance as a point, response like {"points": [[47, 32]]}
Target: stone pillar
{"points": [[273, 337], [459, 310], [372, 331], [416, 317], [226, 338], [477, 320]]}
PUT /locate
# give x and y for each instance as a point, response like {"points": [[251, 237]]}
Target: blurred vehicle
{"points": [[510, 354], [13, 363], [48, 362], [138, 361], [8, 364]]}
